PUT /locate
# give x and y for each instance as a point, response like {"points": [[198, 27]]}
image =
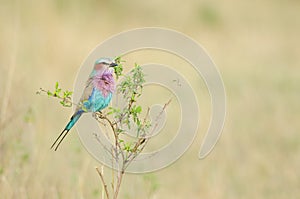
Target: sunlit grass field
{"points": [[255, 45]]}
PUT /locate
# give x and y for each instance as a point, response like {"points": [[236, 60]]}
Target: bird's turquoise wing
{"points": [[98, 101], [92, 99]]}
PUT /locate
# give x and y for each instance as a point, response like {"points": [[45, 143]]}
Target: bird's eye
{"points": [[103, 62]]}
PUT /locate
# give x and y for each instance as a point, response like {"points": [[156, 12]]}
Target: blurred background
{"points": [[255, 45]]}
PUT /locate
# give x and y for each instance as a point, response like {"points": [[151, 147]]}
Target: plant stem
{"points": [[103, 182], [120, 177]]}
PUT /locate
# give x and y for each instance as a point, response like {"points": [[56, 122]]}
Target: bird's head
{"points": [[104, 63], [103, 66]]}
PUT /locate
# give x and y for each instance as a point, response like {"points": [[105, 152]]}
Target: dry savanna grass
{"points": [[255, 44]]}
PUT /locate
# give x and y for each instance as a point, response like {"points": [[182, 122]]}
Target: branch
{"points": [[159, 115], [100, 142], [120, 177], [66, 100], [142, 141], [116, 135], [103, 182]]}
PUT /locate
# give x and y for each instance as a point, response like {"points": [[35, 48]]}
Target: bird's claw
{"points": [[98, 115]]}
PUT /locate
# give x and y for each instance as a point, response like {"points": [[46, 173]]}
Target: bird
{"points": [[96, 96]]}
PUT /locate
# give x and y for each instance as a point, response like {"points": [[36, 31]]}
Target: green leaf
{"points": [[119, 68], [57, 91], [127, 147], [138, 122], [119, 130], [67, 94], [49, 93], [138, 109]]}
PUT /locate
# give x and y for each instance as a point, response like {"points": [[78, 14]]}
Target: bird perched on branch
{"points": [[96, 95]]}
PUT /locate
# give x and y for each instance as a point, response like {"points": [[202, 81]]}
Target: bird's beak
{"points": [[113, 64]]}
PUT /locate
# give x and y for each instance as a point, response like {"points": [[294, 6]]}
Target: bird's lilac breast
{"points": [[104, 83]]}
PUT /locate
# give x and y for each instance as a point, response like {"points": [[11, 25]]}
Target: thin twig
{"points": [[114, 129], [159, 115], [120, 177], [100, 142], [65, 99], [143, 141], [103, 182]]}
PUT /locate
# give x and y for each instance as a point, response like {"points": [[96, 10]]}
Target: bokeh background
{"points": [[255, 44]]}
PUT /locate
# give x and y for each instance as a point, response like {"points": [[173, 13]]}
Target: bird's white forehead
{"points": [[104, 59]]}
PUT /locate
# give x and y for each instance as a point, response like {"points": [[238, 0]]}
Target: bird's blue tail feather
{"points": [[66, 130], [73, 120]]}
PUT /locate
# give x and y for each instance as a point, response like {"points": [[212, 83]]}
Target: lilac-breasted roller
{"points": [[96, 95]]}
